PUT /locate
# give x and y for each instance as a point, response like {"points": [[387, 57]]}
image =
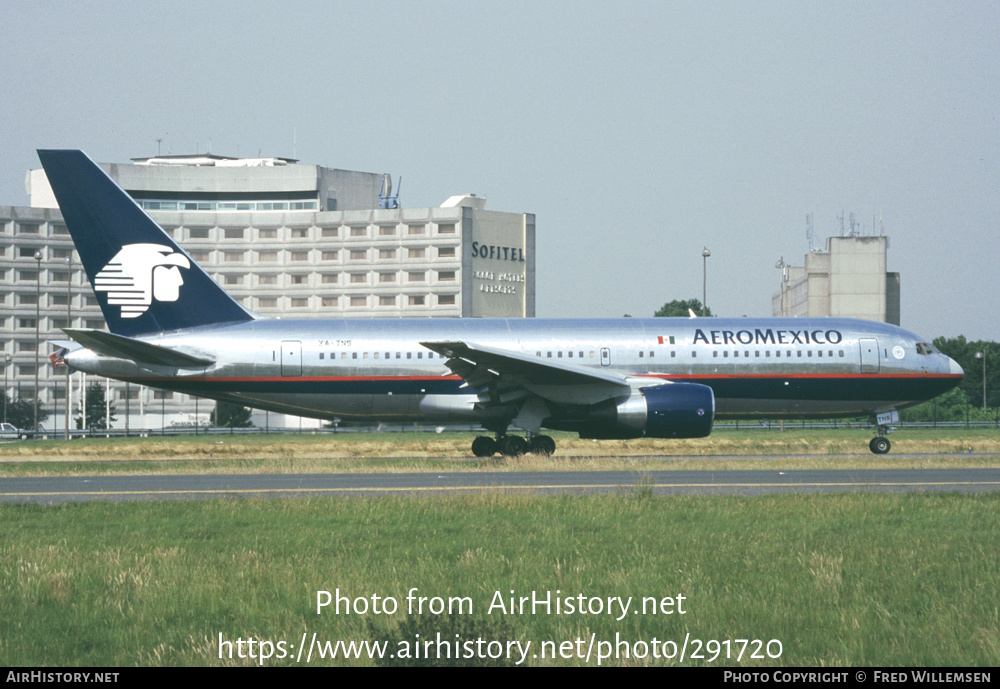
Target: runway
{"points": [[60, 489]]}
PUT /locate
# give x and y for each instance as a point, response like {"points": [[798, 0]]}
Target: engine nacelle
{"points": [[674, 410]]}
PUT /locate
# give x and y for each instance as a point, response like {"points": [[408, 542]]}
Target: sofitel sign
{"points": [[502, 253]]}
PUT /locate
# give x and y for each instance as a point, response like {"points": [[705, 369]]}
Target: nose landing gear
{"points": [[880, 445]]}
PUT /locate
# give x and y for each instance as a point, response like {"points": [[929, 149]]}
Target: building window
{"points": [[415, 253], [200, 256], [416, 229], [26, 275], [267, 279], [386, 277], [415, 276], [447, 228], [235, 233], [59, 276], [359, 301], [59, 299], [330, 302], [26, 322], [300, 255], [27, 228], [330, 232], [359, 231], [300, 302], [232, 279], [446, 275], [446, 252], [27, 299], [387, 231], [162, 395], [446, 299], [359, 254], [416, 300], [267, 256], [59, 322], [59, 228], [330, 278], [267, 302], [300, 279], [300, 233], [198, 233], [331, 255], [386, 254], [233, 257], [387, 301], [270, 233], [28, 251], [358, 278]]}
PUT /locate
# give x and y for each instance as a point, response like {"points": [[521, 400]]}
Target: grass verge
{"points": [[388, 452], [839, 580]]}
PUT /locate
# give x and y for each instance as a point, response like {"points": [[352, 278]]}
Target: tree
{"points": [[964, 352], [98, 416], [679, 309], [21, 412], [230, 415]]}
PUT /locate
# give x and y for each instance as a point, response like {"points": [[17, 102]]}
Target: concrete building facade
{"points": [[286, 240], [849, 280]]}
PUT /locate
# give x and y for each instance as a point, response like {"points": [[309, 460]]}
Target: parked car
{"points": [[9, 431]]}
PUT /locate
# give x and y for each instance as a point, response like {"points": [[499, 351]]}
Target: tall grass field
{"points": [[790, 580]]}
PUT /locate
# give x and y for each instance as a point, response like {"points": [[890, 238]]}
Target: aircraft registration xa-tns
{"points": [[172, 327]]}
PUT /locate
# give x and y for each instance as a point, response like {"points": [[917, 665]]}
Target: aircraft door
{"points": [[605, 356], [869, 355], [291, 358]]}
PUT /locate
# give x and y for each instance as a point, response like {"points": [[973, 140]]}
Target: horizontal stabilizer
{"points": [[123, 347]]}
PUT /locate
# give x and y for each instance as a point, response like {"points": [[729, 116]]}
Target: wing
{"points": [[530, 384]]}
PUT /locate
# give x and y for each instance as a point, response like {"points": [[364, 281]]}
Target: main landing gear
{"points": [[513, 445]]}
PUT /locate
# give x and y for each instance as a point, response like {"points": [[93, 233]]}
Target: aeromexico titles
{"points": [[172, 327]]}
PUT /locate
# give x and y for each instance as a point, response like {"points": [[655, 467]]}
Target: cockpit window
{"points": [[924, 348]]}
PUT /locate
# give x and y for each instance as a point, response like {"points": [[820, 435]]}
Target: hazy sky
{"points": [[637, 132]]}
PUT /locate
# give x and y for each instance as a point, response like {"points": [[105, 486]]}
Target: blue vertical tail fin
{"points": [[144, 281]]}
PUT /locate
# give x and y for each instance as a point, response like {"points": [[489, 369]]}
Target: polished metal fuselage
{"points": [[377, 369]]}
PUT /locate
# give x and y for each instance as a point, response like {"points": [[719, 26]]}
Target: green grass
{"points": [[840, 580]]}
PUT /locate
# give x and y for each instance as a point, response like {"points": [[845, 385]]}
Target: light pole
{"points": [[38, 333], [982, 355], [780, 265], [705, 253], [6, 365], [69, 324]]}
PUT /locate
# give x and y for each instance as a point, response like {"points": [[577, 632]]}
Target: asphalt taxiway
{"points": [[58, 489]]}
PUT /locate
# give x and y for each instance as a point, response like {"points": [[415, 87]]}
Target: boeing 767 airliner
{"points": [[172, 327]]}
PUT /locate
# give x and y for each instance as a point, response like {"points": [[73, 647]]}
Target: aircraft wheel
{"points": [[880, 445], [543, 445], [484, 446], [513, 446]]}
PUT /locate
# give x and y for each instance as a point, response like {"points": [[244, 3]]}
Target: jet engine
{"points": [[673, 410]]}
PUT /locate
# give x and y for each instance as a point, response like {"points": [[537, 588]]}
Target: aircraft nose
{"points": [[954, 368]]}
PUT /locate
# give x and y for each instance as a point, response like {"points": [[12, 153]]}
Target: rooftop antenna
{"points": [[386, 199], [811, 234]]}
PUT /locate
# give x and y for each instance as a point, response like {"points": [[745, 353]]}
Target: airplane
{"points": [[170, 326]]}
